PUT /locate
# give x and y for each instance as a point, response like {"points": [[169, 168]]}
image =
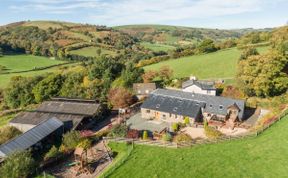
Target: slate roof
{"points": [[142, 87], [31, 137], [66, 106], [167, 99], [35, 118], [202, 84]]}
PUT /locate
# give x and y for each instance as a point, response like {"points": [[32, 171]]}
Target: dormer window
{"points": [[220, 107]]}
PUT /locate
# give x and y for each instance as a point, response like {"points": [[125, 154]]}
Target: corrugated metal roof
{"points": [[31, 137]]}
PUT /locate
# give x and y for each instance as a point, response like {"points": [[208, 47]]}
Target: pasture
{"points": [[220, 64], [262, 156], [91, 51], [20, 65], [157, 47]]}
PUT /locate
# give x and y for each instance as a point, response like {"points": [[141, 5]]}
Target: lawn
{"points": [[15, 63], [91, 51], [157, 47], [262, 156], [220, 64]]}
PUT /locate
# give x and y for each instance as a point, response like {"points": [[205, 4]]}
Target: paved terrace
{"points": [[138, 123]]}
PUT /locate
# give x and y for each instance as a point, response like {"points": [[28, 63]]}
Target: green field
{"points": [[157, 47], [91, 51], [16, 63], [262, 156], [220, 64]]}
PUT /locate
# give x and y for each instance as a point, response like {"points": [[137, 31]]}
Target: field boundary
{"points": [[37, 68], [198, 142]]}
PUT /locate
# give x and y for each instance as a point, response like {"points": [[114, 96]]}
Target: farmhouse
{"points": [[176, 106], [143, 89], [200, 87], [74, 113], [33, 137]]}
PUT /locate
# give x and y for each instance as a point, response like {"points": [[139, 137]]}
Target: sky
{"points": [[223, 14]]}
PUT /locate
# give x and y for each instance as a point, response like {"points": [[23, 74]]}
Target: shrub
{"points": [[211, 132], [7, 133], [52, 153], [182, 138], [85, 144], [167, 137], [187, 120], [102, 133], [175, 127], [71, 139], [18, 164], [145, 135], [119, 130]]}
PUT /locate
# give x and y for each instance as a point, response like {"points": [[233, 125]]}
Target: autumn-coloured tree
{"points": [[149, 75], [120, 97], [165, 73]]}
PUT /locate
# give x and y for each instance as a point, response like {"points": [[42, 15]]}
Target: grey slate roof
{"points": [[140, 88], [210, 104], [202, 84], [31, 137], [35, 118], [69, 107]]}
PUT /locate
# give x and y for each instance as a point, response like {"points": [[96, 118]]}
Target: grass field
{"points": [[157, 47], [262, 156], [15, 63], [91, 51], [220, 64]]}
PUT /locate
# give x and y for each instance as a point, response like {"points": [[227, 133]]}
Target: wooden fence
{"points": [[202, 141]]}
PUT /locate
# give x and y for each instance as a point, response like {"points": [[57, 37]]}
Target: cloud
{"points": [[120, 12]]}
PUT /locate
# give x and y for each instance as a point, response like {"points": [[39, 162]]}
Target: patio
{"points": [[138, 123]]}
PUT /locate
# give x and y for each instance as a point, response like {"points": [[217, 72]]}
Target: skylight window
{"points": [[158, 105], [175, 109], [211, 106], [220, 107]]}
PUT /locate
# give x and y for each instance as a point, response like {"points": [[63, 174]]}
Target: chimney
{"points": [[192, 77]]}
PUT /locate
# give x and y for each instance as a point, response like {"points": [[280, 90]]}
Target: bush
{"points": [[175, 127], [119, 130], [18, 164], [187, 120], [145, 135], [52, 153], [167, 137], [85, 144], [182, 138], [7, 133], [71, 139], [211, 132]]}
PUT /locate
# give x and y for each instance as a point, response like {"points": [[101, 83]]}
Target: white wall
{"points": [[196, 89], [22, 127]]}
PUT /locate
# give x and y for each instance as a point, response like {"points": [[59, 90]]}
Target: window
{"points": [[147, 111], [158, 105], [175, 116], [210, 105], [170, 114], [220, 107], [175, 109]]}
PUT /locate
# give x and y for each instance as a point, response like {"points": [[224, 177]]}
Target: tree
{"points": [[249, 51], [71, 139], [120, 98], [19, 91], [206, 46], [149, 76], [98, 51], [7, 133], [263, 75], [145, 135], [175, 127], [165, 73], [119, 130], [18, 164], [48, 87], [1, 52], [131, 74]]}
